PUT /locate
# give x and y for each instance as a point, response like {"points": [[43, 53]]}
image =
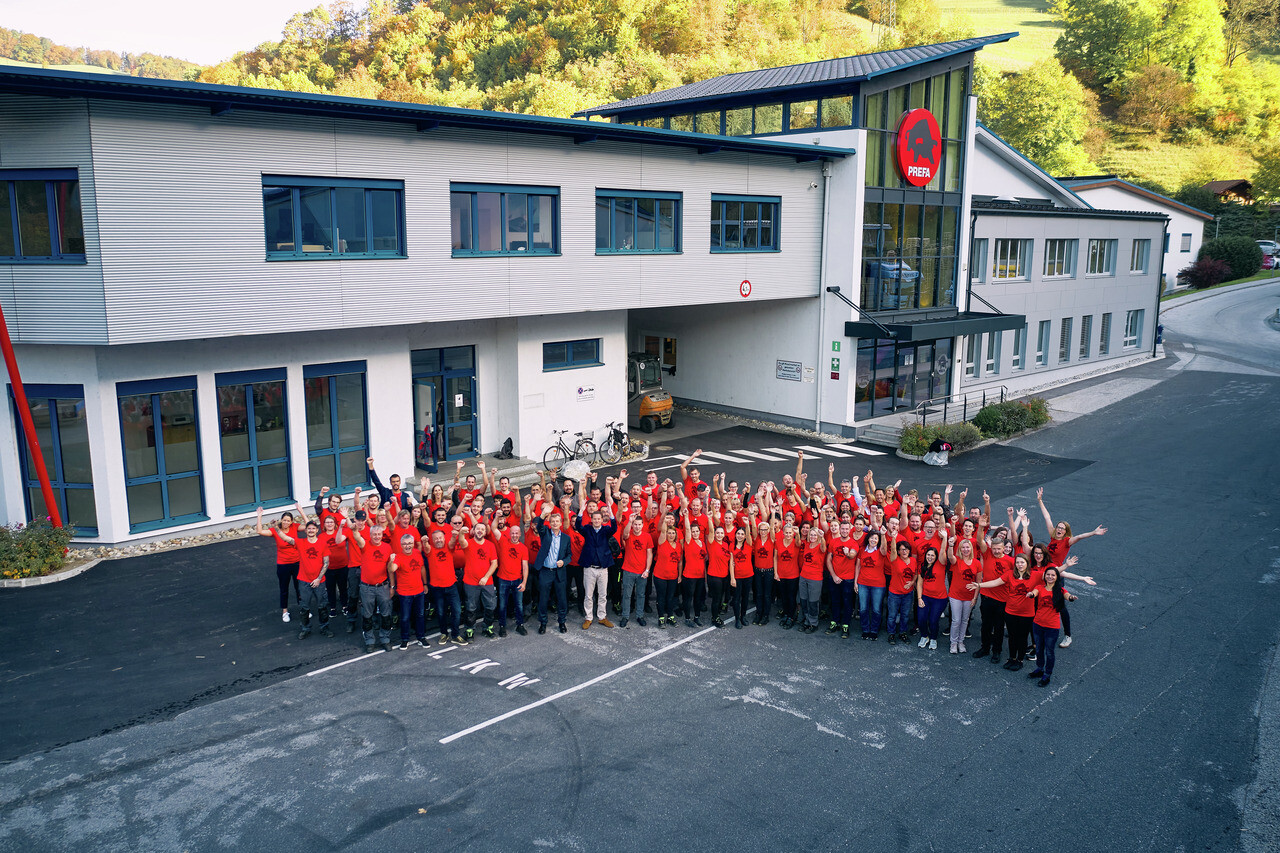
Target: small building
{"points": [[1235, 189]]}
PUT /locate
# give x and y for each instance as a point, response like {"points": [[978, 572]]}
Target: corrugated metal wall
{"points": [[53, 303]]}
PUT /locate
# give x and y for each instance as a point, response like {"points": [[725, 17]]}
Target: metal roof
{"points": [[847, 69], [1004, 207], [1088, 182], [221, 100]]}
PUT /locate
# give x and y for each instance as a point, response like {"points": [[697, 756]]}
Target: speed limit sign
{"points": [[745, 288]]}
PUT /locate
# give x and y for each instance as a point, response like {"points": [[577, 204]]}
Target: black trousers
{"points": [[764, 594], [993, 621], [666, 592], [716, 588], [738, 597], [335, 580], [788, 589], [1019, 629], [695, 596], [552, 580]]}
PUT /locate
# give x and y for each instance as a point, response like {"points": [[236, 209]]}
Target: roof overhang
{"points": [[933, 328]]}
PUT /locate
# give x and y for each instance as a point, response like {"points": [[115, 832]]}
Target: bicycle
{"points": [[616, 446], [559, 453]]}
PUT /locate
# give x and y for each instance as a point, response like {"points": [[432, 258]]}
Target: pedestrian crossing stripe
{"points": [[780, 451], [723, 456], [855, 449], [755, 455], [822, 451]]}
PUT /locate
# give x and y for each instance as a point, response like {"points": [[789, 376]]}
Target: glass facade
{"points": [[58, 413], [337, 425], [254, 438], [160, 432], [893, 377]]}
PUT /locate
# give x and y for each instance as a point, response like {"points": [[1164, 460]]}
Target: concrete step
{"points": [[881, 435]]}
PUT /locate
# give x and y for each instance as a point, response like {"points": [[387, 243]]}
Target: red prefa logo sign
{"points": [[919, 147]]}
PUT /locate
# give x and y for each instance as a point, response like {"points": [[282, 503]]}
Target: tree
{"points": [[1249, 24], [1154, 98], [1190, 41], [1266, 178], [1042, 113], [1103, 40]]}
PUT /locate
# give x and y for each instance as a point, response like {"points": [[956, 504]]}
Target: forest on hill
{"points": [[32, 49]]}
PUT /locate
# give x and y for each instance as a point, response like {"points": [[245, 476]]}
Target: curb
{"points": [[1196, 297], [60, 575]]}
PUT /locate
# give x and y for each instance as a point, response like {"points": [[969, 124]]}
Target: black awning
{"points": [[963, 323]]}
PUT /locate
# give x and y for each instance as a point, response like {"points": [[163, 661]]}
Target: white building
{"points": [[1086, 280], [1186, 223], [224, 298]]}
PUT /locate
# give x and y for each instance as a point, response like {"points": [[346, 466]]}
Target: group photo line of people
{"points": [[479, 555]]}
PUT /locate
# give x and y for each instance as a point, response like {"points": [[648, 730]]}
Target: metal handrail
{"points": [[963, 400]]}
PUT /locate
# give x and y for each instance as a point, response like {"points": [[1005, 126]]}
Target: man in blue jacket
{"points": [[596, 560], [553, 556]]}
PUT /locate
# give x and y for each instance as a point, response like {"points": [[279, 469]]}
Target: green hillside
{"points": [[72, 67], [1037, 29]]}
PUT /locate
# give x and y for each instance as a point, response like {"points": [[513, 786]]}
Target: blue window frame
{"points": [[160, 431], [337, 425], [566, 355], [743, 223], [637, 222], [328, 218], [63, 432], [253, 434], [489, 219], [40, 217]]}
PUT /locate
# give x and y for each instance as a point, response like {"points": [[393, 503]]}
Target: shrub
{"points": [[1206, 272], [32, 550], [962, 436], [1240, 253], [1001, 420], [916, 439]]}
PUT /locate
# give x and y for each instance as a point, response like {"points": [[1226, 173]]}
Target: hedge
{"points": [[32, 550], [1242, 254], [915, 439], [999, 420]]}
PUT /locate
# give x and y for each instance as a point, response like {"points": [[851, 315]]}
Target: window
{"points": [[971, 356], [499, 220], [1064, 341], [58, 414], [804, 115], [1086, 335], [319, 218], [1059, 258], [1138, 257], [1132, 328], [909, 256], [337, 425], [836, 112], [1012, 259], [744, 223], [161, 436], [254, 438], [40, 216], [1104, 335], [1020, 348], [978, 261], [1042, 344], [563, 355], [647, 222], [1166, 242], [1186, 243], [768, 118], [991, 364], [1102, 257], [737, 122]]}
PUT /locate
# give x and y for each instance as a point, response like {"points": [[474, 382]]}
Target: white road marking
{"points": [[853, 448], [822, 451], [364, 657], [723, 456], [780, 451], [568, 690], [755, 455]]}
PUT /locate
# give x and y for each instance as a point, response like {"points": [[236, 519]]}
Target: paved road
{"points": [[1148, 738]]}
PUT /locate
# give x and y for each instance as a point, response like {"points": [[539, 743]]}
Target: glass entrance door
{"points": [[428, 415], [897, 377], [460, 416], [446, 420]]}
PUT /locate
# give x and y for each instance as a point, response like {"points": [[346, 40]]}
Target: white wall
{"points": [[1180, 222]]}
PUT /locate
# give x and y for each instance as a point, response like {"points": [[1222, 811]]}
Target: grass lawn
{"points": [[1262, 275], [1171, 165], [1037, 29]]}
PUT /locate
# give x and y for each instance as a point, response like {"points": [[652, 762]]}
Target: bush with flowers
{"points": [[32, 550]]}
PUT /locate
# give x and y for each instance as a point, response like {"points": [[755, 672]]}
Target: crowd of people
{"points": [[479, 556]]}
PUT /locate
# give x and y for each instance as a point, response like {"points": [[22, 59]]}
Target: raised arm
{"points": [[259, 529], [799, 466], [684, 466], [1072, 576], [1097, 531], [1044, 511], [831, 477]]}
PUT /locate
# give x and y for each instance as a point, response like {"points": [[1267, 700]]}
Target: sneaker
{"points": [[832, 628], [1015, 665], [542, 627], [351, 627], [368, 650], [982, 652], [285, 617], [924, 641], [1044, 682], [471, 632], [404, 645], [386, 647], [563, 629], [893, 639], [443, 641], [738, 623], [688, 623], [905, 637], [718, 622], [488, 631], [1035, 673], [326, 631], [933, 645], [461, 640], [333, 611], [502, 632], [1066, 641], [844, 634], [520, 629], [963, 649], [1009, 664], [697, 623], [873, 636], [640, 621], [955, 649], [622, 623], [995, 657], [304, 633], [1031, 656], [662, 622], [967, 635], [606, 623], [424, 643]]}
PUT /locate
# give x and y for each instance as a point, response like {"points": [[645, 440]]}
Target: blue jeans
{"points": [[928, 616], [899, 608], [633, 585], [509, 592], [413, 606], [1046, 642], [448, 608], [872, 599], [842, 597]]}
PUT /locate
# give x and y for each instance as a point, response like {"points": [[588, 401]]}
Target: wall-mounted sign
{"points": [[919, 148], [745, 288], [790, 370], [586, 392]]}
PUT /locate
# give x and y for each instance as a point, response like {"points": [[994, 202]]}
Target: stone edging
{"points": [[60, 575]]}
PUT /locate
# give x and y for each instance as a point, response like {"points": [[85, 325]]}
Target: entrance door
{"points": [[460, 416], [446, 423], [428, 410]]}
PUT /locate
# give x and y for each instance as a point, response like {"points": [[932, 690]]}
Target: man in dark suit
{"points": [[553, 556]]}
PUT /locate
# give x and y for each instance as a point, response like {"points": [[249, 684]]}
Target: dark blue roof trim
{"points": [[221, 100], [766, 81]]}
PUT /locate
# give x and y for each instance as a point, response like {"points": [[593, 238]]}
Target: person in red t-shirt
{"points": [[813, 565], [786, 571], [513, 576], [1050, 601], [409, 577], [742, 573], [1060, 542], [284, 532], [873, 565], [477, 580], [931, 594], [902, 584], [442, 578], [637, 562], [375, 588], [313, 561], [995, 562], [666, 572], [843, 573], [335, 578], [719, 557], [965, 570], [694, 574]]}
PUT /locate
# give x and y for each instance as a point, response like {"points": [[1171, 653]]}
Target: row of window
{"points": [[757, 119], [1010, 259], [982, 352]]}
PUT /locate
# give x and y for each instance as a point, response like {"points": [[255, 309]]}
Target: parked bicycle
{"points": [[560, 453], [616, 446]]}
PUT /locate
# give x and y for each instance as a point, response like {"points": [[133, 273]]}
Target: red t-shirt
{"points": [[397, 532], [311, 559], [813, 561], [936, 586], [441, 572], [576, 541], [844, 566], [718, 564], [788, 560], [465, 496], [695, 558], [902, 574], [871, 568], [742, 562], [337, 553], [373, 565], [635, 553], [923, 544], [355, 553], [1018, 604], [762, 555], [1046, 616], [480, 555], [963, 574], [994, 567], [511, 557], [409, 573], [666, 561], [1057, 549], [286, 552]]}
